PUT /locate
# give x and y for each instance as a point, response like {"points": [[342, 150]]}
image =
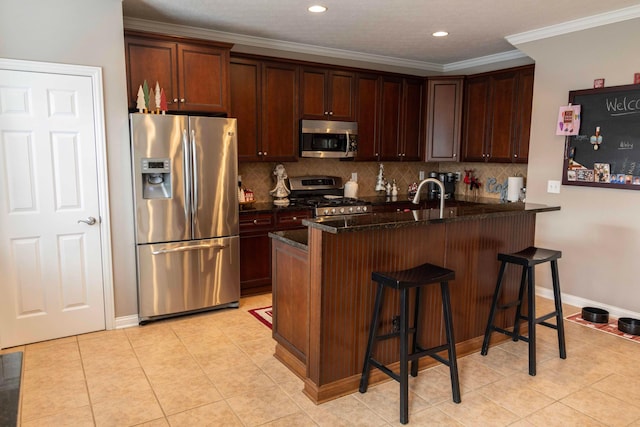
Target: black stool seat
{"points": [[410, 351], [421, 275], [528, 258]]}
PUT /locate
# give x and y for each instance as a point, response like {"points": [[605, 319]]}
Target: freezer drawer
{"points": [[187, 276]]}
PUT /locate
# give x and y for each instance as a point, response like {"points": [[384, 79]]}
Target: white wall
{"points": [[597, 229], [86, 32]]}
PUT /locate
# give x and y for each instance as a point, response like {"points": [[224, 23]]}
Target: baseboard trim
{"points": [[583, 302], [126, 321]]}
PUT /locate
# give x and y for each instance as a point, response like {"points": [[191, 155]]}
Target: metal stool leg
{"points": [[558, 304], [416, 328], [516, 322], [492, 313], [451, 348], [373, 330], [404, 356], [531, 319]]}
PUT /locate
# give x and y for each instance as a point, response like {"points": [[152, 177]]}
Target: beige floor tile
{"points": [[160, 422], [104, 342], [211, 415], [473, 373], [277, 371], [432, 385], [183, 367], [384, 400], [504, 362], [243, 380], [262, 405], [76, 417], [44, 376], [50, 343], [128, 410], [13, 349], [621, 386], [259, 350], [113, 361], [299, 419], [345, 411], [559, 415], [105, 385], [51, 355], [153, 333], [476, 410], [431, 417], [53, 398], [510, 394], [186, 393], [603, 407]]}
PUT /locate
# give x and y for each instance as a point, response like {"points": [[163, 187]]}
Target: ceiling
{"points": [[385, 31]]}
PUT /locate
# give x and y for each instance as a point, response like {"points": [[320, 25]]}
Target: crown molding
{"points": [[612, 17], [240, 39], [484, 60]]}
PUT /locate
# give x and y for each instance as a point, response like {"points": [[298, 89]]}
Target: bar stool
{"points": [[528, 258], [404, 281]]}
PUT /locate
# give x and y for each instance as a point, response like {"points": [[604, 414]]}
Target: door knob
{"points": [[89, 221]]}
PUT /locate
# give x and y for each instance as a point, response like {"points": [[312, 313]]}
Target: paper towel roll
{"points": [[514, 185]]}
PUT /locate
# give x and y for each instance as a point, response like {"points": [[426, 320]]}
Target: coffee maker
{"points": [[448, 179]]}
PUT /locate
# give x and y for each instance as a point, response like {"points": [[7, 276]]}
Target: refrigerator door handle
{"points": [[188, 248], [186, 161], [194, 174]]}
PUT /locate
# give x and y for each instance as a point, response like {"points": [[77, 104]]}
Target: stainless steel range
{"points": [[325, 195]]}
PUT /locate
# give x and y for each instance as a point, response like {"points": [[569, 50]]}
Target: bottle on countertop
{"points": [[394, 188], [241, 198]]}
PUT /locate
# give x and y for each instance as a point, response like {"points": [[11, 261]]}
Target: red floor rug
{"points": [[610, 328], [263, 314]]}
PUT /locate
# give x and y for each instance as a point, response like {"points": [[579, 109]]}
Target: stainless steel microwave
{"points": [[328, 139]]}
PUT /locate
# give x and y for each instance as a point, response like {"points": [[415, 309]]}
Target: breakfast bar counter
{"points": [[323, 295]]}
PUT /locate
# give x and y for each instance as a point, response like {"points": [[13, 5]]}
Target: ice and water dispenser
{"points": [[156, 178]]}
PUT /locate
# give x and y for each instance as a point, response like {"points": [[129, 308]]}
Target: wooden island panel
{"points": [[341, 293]]}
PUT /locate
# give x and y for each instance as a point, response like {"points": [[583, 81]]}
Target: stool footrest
{"points": [[384, 369]]}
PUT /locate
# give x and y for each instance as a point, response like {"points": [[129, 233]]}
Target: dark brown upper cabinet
{"points": [[497, 116], [193, 73], [327, 94], [444, 118], [264, 99]]}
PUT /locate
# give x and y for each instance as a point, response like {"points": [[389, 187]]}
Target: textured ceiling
{"points": [[388, 28]]}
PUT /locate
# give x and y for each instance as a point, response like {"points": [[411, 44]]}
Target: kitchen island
{"points": [[323, 295]]}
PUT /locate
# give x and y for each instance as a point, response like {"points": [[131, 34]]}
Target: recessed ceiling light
{"points": [[440, 34], [317, 8]]}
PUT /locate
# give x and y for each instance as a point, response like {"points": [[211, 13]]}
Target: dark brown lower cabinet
{"points": [[255, 245]]}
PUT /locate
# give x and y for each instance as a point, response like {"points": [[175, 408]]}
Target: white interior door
{"points": [[50, 249]]}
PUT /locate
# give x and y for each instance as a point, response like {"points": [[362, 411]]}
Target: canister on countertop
{"points": [[351, 189]]}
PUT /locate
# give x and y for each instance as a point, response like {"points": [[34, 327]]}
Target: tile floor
{"points": [[217, 369]]}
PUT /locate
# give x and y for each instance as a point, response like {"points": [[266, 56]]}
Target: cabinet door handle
{"points": [[175, 99], [515, 155], [264, 154], [295, 218], [255, 221], [182, 100], [259, 153]]}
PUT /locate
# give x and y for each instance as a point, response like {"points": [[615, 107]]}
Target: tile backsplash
{"points": [[259, 176]]}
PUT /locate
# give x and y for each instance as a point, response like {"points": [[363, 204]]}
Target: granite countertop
{"points": [[298, 238], [455, 210]]}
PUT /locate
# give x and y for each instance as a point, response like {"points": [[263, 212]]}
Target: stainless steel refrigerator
{"points": [[185, 178]]}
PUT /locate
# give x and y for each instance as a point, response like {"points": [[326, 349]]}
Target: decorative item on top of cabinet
{"points": [[327, 94], [444, 118], [497, 116], [264, 99], [193, 73]]}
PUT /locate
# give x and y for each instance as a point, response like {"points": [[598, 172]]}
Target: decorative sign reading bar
{"points": [[606, 152]]}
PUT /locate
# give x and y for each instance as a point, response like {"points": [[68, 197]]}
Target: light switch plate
{"points": [[553, 186], [421, 175], [354, 176]]}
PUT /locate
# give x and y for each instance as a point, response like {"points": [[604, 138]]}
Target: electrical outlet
{"points": [[354, 176], [553, 186], [458, 176], [421, 175]]}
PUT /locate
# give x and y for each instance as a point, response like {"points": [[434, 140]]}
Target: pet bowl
{"points": [[629, 325], [595, 315]]}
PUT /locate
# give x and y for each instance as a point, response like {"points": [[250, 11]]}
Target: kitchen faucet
{"points": [[416, 199]]}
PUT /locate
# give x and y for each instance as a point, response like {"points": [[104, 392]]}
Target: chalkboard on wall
{"points": [[616, 162]]}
